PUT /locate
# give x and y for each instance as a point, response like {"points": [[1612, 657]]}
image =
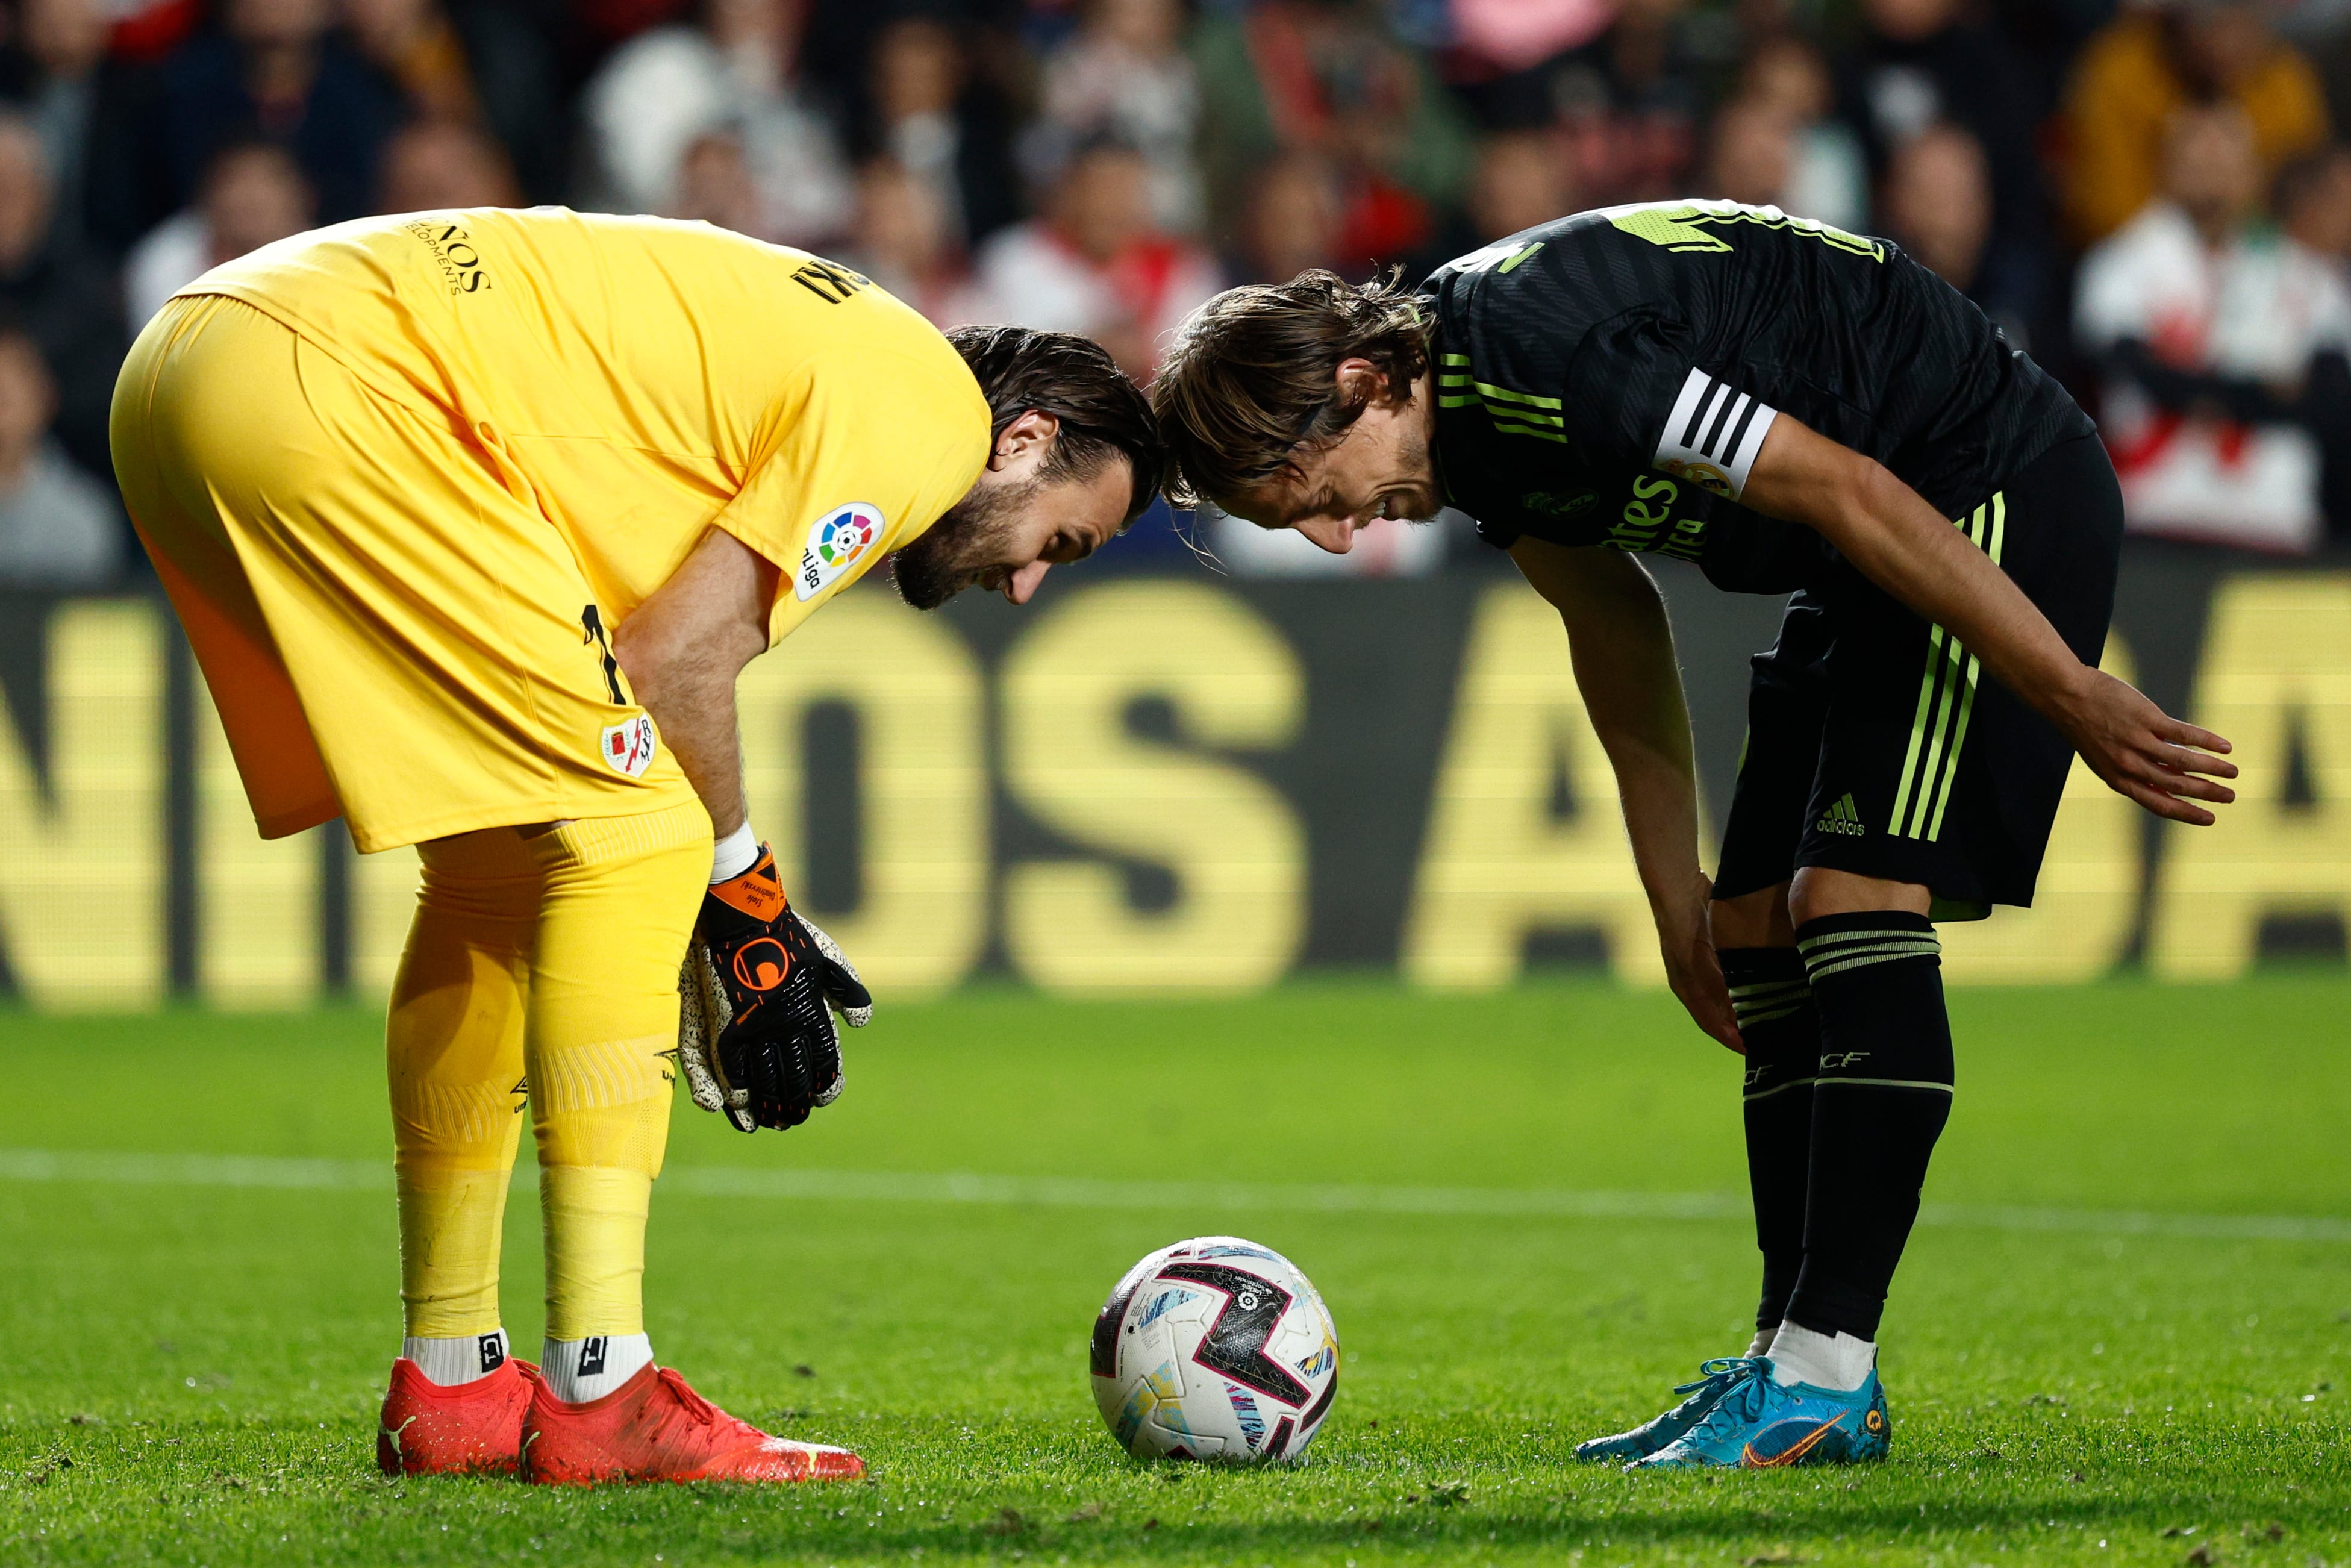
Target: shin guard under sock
{"points": [[1880, 1099], [1781, 1031]]}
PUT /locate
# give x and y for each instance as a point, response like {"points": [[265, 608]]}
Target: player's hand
{"points": [[1695, 973], [2140, 751], [757, 1036]]}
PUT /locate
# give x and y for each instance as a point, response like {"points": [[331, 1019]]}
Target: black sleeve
{"points": [[1636, 398]]}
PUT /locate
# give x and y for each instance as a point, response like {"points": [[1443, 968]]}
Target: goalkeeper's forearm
{"points": [[681, 650]]}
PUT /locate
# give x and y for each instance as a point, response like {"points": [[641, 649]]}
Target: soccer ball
{"points": [[1217, 1349]]}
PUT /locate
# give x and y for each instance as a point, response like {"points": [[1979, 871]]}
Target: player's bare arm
{"points": [[1900, 543], [681, 650], [1623, 649]]}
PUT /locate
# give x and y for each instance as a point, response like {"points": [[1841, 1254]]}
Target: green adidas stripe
{"points": [[1975, 665], [1946, 700], [1510, 420]]}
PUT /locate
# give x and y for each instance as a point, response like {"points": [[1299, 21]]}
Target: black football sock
{"points": [[1880, 1099], [1781, 1031]]}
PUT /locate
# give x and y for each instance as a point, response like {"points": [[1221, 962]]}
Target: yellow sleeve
{"points": [[876, 448]]}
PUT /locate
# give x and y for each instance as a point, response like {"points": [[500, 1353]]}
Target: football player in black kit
{"points": [[1796, 410]]}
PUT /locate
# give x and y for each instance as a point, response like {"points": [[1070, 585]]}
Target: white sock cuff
{"points": [[1761, 1344], [578, 1370], [459, 1359], [1838, 1362], [733, 855]]}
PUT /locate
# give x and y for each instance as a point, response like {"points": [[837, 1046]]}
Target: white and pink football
{"points": [[1215, 1348]]}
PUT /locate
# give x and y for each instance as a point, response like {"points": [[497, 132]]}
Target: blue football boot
{"points": [[1715, 1378], [1758, 1424]]}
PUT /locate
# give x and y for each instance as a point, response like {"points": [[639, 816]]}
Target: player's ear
{"points": [[1360, 380], [1032, 433]]}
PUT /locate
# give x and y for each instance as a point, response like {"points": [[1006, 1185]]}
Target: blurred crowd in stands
{"points": [[2149, 195]]}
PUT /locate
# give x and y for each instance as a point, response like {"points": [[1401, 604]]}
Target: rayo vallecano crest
{"points": [[628, 747]]}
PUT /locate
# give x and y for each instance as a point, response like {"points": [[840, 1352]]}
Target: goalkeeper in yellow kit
{"points": [[472, 518]]}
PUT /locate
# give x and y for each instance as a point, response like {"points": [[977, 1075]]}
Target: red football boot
{"points": [[655, 1429], [469, 1428]]}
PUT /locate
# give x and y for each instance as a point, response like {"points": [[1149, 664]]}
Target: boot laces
{"points": [[1712, 1374], [1741, 1403], [702, 1410]]}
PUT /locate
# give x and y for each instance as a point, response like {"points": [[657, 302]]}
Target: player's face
{"points": [[1013, 528], [1380, 468]]}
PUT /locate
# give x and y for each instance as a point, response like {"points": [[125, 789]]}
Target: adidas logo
{"points": [[1841, 818]]}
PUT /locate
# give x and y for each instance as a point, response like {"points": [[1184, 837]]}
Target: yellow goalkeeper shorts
{"points": [[391, 629]]}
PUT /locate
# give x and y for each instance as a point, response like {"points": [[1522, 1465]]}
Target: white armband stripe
{"points": [[1713, 435]]}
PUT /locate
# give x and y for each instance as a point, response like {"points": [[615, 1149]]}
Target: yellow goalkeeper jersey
{"points": [[641, 379], [403, 477]]}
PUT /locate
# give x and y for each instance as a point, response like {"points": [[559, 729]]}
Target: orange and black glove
{"points": [[755, 1036]]}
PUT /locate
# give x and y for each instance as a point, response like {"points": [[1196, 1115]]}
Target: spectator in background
{"points": [[1937, 204], [942, 127], [276, 70], [253, 194], [2314, 206], [1295, 221], [2208, 327], [440, 163], [714, 185], [1124, 74], [1325, 77], [1632, 101], [1827, 178], [1094, 262], [62, 302], [900, 241], [735, 76], [1520, 178], [2313, 202], [1920, 62], [59, 529], [2148, 64], [412, 43], [1751, 154], [55, 73]]}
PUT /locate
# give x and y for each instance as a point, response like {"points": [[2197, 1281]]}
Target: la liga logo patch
{"points": [[839, 540], [628, 747]]}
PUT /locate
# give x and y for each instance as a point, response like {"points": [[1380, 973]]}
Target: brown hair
{"points": [[1104, 414], [1253, 375]]}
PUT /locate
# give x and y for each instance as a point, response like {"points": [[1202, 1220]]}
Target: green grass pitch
{"points": [[2125, 1337]]}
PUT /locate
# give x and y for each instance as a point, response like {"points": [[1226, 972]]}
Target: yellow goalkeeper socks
{"points": [[552, 949]]}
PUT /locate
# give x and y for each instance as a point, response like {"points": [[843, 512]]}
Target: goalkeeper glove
{"points": [[756, 1034]]}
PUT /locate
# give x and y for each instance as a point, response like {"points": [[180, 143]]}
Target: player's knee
{"points": [[605, 1103], [1757, 919], [1818, 892]]}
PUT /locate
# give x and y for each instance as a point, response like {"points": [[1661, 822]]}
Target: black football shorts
{"points": [[1877, 744]]}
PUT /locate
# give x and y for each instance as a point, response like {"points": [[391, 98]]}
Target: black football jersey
{"points": [[1608, 379]]}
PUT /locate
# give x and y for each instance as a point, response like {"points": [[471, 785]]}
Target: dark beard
{"points": [[948, 556]]}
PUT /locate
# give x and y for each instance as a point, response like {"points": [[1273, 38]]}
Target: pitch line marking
{"points": [[281, 1173]]}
